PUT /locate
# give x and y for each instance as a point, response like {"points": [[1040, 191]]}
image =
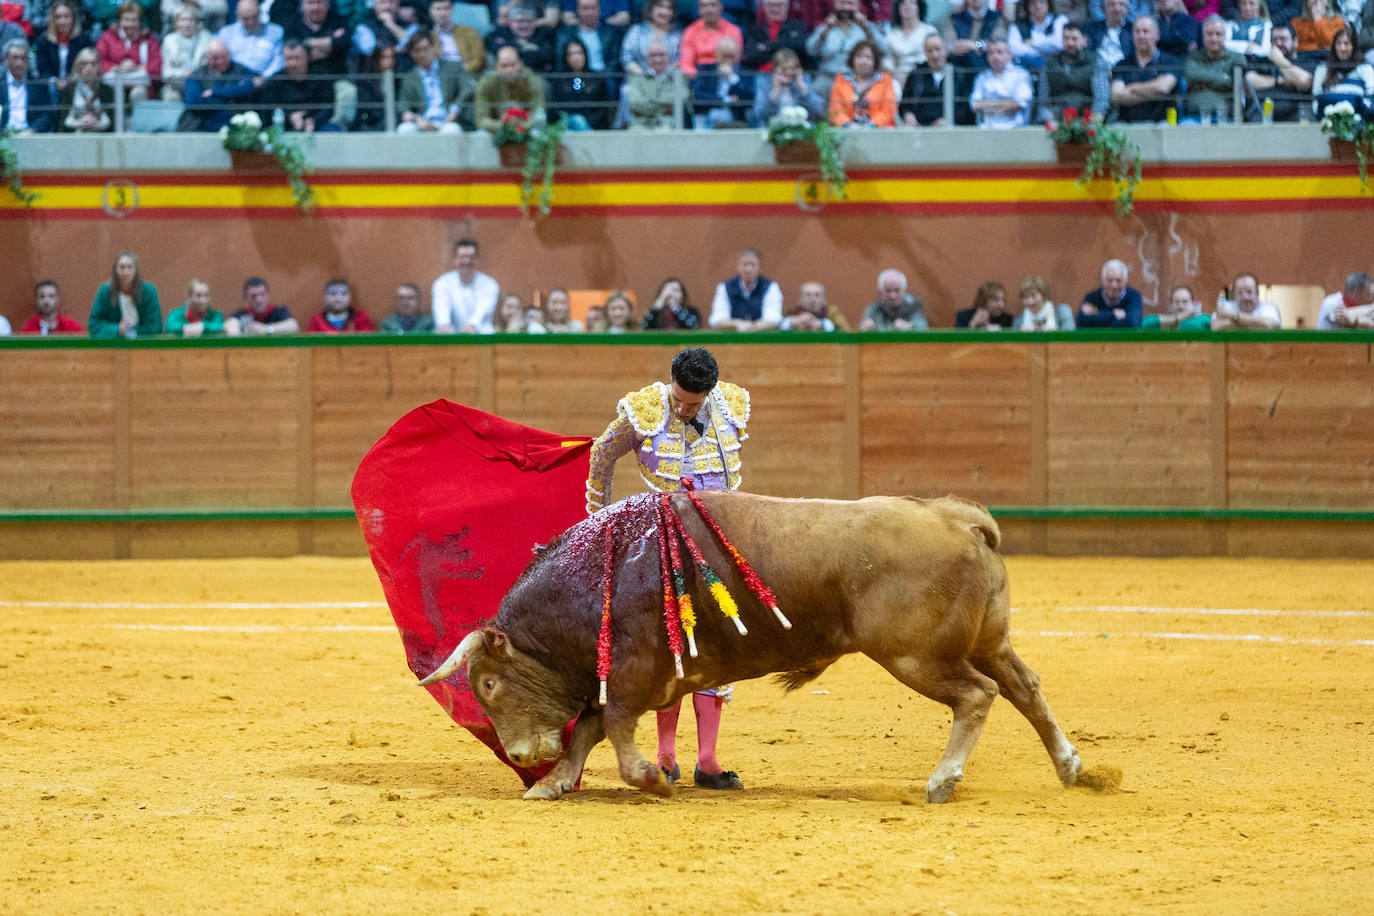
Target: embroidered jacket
{"points": [[667, 448]]}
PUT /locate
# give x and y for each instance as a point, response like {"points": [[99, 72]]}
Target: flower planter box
{"points": [[1072, 153], [1343, 150], [253, 160], [801, 153]]}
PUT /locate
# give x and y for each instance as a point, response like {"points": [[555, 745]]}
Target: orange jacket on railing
{"points": [[878, 104]]}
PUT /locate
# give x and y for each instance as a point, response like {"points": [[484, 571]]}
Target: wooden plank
{"points": [[1216, 423], [851, 458], [40, 541], [1324, 540], [304, 451], [1039, 445], [176, 540], [1128, 537]]}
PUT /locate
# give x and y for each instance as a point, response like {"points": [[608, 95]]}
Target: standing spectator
{"points": [[434, 94], [27, 106], [1036, 34], [812, 313], [722, 95], [748, 301], [785, 87], [658, 25], [651, 92], [464, 299], [600, 40], [895, 309], [923, 98], [1317, 25], [48, 318], [699, 40], [534, 43], [381, 27], [1185, 313], [457, 43], [581, 94], [1349, 310], [325, 35], [1002, 93], [126, 306], [1069, 74], [195, 317], [56, 49], [259, 315], [216, 91], [1209, 72], [1179, 33], [183, 50], [1343, 76], [771, 34], [1039, 311], [832, 44], [1114, 304], [620, 314], [558, 313], [863, 96], [254, 43], [1246, 311], [989, 311], [85, 104], [968, 31], [340, 315], [408, 317], [671, 309], [512, 85], [130, 53], [1143, 84], [1251, 32], [1280, 78], [306, 101], [906, 38]]}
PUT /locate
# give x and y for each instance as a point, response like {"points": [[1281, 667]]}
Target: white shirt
{"points": [[772, 305], [1329, 304], [4, 326], [1012, 84], [1262, 310], [459, 305], [18, 111]]}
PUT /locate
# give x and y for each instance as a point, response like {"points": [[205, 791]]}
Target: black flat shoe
{"points": [[726, 780], [673, 775]]}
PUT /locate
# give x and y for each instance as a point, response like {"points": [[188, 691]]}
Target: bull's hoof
{"points": [[1069, 769], [656, 782], [544, 792], [938, 791]]}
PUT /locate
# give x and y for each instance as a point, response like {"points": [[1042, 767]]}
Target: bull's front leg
{"points": [[634, 769], [587, 731]]}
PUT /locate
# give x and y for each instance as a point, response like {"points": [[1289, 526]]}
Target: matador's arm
{"points": [[617, 440]]}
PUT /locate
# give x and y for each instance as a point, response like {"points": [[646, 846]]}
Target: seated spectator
{"points": [[619, 314], [48, 318], [408, 317], [219, 89], [905, 37], [325, 35], [558, 313], [56, 49], [378, 69], [1250, 33], [464, 299], [1069, 74], [1039, 311], [615, 13], [1317, 25], [195, 317], [864, 96], [306, 100], [1280, 78], [1114, 304], [27, 106], [546, 14], [1209, 73], [700, 39], [671, 310], [1036, 33], [183, 50], [923, 97], [1185, 313], [259, 315], [1137, 8], [511, 85], [457, 43], [785, 87], [85, 104], [532, 42], [1002, 94], [895, 309], [812, 13], [535, 320], [596, 320], [722, 95], [657, 26], [436, 94], [339, 315], [254, 43], [1109, 38], [581, 94], [1246, 311], [126, 306], [211, 13], [967, 32], [832, 44], [1179, 32], [651, 94], [748, 301], [131, 54], [600, 40], [510, 317], [774, 32], [1350, 309], [1143, 85], [812, 313], [1344, 76], [989, 311], [381, 27]]}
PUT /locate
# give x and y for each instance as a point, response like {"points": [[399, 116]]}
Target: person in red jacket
{"points": [[339, 313], [130, 53], [49, 319]]}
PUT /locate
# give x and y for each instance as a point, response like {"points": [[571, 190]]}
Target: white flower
{"points": [[251, 119], [224, 132]]}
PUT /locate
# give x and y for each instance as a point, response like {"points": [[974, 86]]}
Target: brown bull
{"points": [[916, 585]]}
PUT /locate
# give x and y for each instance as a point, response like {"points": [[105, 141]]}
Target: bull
{"points": [[917, 585]]}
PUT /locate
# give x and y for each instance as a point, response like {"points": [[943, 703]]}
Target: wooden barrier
{"points": [[1183, 444]]}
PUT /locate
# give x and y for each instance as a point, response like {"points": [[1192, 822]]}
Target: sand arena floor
{"points": [[162, 751]]}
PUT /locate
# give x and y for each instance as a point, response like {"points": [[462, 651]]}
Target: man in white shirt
{"points": [[1351, 309], [464, 299], [748, 301], [1247, 312], [1002, 93], [254, 43]]}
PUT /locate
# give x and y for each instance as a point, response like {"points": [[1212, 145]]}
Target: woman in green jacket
{"points": [[126, 306]]}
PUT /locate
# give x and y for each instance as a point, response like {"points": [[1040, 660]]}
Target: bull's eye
{"points": [[490, 684]]}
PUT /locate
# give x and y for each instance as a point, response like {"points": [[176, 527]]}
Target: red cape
{"points": [[452, 501]]}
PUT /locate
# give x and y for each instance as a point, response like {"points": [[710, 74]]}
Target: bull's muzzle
{"points": [[457, 659], [533, 751]]}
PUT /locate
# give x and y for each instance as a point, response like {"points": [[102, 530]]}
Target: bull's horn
{"points": [[457, 659]]}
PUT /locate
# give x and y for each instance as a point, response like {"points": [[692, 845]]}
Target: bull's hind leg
{"points": [[564, 775], [1021, 686], [634, 769], [965, 691]]}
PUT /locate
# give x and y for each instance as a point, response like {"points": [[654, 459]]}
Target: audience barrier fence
{"points": [[1085, 443]]}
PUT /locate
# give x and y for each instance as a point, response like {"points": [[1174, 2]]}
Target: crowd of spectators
{"points": [[860, 64], [465, 300]]}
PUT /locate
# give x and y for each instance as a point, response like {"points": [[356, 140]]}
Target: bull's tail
{"points": [[791, 680], [976, 516]]}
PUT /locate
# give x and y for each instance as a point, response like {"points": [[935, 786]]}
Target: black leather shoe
{"points": [[726, 780], [673, 775]]}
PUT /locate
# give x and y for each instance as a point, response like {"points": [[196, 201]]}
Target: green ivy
{"points": [[10, 172]]}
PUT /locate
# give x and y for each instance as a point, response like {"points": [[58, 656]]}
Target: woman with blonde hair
{"points": [[56, 49], [1038, 311], [620, 314], [127, 305], [84, 105], [183, 50]]}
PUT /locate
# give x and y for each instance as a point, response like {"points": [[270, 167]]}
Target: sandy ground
{"points": [[161, 752]]}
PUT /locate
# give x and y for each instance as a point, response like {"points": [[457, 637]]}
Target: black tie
{"points": [[698, 426]]}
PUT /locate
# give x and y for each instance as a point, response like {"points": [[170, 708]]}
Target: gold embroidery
{"points": [[647, 408], [736, 401]]}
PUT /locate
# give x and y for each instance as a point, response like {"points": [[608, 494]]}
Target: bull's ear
{"points": [[497, 643]]}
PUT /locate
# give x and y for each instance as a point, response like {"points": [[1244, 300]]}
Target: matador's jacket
{"points": [[669, 449]]}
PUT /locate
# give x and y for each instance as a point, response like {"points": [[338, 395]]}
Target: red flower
{"points": [[515, 114], [1070, 114], [1091, 132], [1049, 126], [1087, 114]]}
